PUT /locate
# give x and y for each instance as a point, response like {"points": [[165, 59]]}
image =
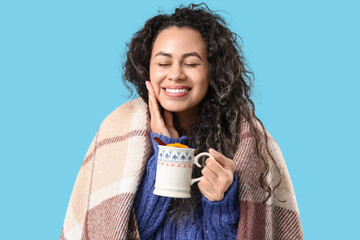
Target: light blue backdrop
{"points": [[60, 77]]}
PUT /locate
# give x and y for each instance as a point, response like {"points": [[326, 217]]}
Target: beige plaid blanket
{"points": [[101, 202]]}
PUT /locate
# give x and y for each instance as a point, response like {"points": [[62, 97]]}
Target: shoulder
{"points": [[129, 116], [126, 110], [265, 136], [247, 132]]}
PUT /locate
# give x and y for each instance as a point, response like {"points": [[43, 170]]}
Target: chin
{"points": [[176, 107]]}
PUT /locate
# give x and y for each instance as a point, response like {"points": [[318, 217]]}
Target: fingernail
{"points": [[214, 150]]}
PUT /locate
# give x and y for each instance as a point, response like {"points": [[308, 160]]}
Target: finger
{"points": [[154, 105], [159, 124], [206, 188], [156, 114], [227, 163], [152, 97], [214, 166], [224, 177], [150, 88], [209, 175], [151, 107]]}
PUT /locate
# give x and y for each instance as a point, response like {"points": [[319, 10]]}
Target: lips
{"points": [[176, 91]]}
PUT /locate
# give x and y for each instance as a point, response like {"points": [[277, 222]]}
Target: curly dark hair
{"points": [[228, 95]]}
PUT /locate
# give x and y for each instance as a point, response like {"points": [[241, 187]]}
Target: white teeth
{"points": [[176, 90]]}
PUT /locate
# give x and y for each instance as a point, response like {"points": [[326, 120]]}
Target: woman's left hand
{"points": [[218, 176]]}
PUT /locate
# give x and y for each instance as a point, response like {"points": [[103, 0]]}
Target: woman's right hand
{"points": [[159, 124]]}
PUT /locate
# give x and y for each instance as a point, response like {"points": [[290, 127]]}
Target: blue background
{"points": [[60, 76]]}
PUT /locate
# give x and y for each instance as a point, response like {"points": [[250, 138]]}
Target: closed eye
{"points": [[191, 65]]}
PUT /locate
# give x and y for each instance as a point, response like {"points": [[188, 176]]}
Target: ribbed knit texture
{"points": [[211, 220]]}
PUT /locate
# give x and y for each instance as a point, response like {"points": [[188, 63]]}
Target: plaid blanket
{"points": [[101, 202]]}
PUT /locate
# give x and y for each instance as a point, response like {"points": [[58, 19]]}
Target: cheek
{"points": [[158, 75], [198, 75], [156, 78], [203, 87], [200, 79]]}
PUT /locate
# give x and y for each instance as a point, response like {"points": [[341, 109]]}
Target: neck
{"points": [[188, 118]]}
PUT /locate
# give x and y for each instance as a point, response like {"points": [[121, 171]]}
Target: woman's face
{"points": [[179, 70]]}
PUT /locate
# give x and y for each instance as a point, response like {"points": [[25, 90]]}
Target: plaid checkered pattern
{"points": [[101, 202]]}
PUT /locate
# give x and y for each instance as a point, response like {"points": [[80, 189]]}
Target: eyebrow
{"points": [[190, 54]]}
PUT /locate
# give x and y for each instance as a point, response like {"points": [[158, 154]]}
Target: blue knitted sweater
{"points": [[211, 220]]}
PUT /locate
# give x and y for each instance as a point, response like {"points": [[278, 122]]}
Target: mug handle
{"points": [[196, 162]]}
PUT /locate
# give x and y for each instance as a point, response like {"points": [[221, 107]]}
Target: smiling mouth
{"points": [[171, 90], [176, 91]]}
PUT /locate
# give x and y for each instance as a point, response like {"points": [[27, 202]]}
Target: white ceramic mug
{"points": [[174, 170]]}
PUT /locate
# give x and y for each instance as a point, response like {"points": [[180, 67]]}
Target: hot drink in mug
{"points": [[174, 170]]}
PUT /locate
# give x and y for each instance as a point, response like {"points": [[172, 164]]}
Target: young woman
{"points": [[191, 76]]}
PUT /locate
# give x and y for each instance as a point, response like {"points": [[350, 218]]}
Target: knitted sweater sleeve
{"points": [[221, 218]]}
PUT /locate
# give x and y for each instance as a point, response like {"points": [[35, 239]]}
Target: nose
{"points": [[176, 72]]}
